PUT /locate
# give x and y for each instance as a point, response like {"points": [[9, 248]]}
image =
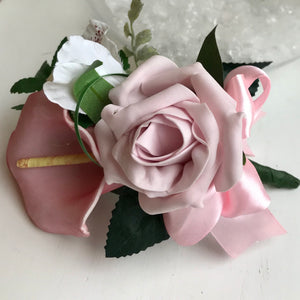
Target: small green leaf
{"points": [[244, 159], [83, 120], [143, 37], [44, 71], [146, 52], [27, 85], [210, 58], [228, 67], [18, 107], [131, 230], [124, 59], [127, 52], [126, 30], [33, 84], [92, 91], [135, 10], [276, 178], [54, 59]]}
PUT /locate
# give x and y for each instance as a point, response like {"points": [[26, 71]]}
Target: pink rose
{"points": [[172, 134], [177, 137]]}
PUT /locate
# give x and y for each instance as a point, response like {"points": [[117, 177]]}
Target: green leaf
{"points": [[18, 107], [124, 59], [83, 120], [44, 72], [126, 30], [54, 59], [27, 85], [33, 84], [131, 230], [145, 53], [135, 10], [244, 159], [92, 91], [276, 178], [127, 52], [143, 37], [210, 58], [228, 67]]}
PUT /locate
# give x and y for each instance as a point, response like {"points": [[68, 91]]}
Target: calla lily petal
{"points": [[57, 199]]}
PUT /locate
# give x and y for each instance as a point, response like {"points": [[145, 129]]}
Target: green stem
{"points": [[133, 47], [76, 127], [76, 121], [115, 74]]}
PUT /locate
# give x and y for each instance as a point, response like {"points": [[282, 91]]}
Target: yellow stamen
{"points": [[51, 161]]}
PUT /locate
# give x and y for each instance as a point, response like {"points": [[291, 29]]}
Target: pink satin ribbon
{"points": [[237, 233], [237, 85]]}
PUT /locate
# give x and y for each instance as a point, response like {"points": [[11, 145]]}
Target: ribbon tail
{"points": [[236, 234]]}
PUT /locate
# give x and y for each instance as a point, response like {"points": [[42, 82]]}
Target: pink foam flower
{"points": [[60, 198], [176, 136]]}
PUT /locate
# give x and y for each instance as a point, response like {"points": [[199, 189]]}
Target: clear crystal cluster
{"points": [[248, 30]]}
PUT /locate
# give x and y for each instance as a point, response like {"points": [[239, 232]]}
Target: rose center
{"points": [[159, 139]]}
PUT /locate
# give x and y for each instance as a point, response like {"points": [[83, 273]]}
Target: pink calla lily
{"points": [[58, 199]]}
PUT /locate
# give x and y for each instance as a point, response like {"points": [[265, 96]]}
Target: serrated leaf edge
{"points": [[133, 253]]}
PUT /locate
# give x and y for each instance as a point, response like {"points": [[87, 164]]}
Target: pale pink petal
{"points": [[194, 195], [237, 234], [247, 196], [57, 199], [189, 225], [129, 91], [106, 141], [152, 180], [169, 77], [230, 126], [173, 178], [122, 120]]}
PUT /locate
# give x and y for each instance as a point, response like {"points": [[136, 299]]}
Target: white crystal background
{"points": [[248, 30]]}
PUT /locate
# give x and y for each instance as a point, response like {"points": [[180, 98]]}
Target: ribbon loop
{"points": [[237, 85]]}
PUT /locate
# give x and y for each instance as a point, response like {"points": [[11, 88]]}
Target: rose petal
{"points": [[57, 199], [195, 192], [122, 120], [169, 77], [189, 225], [130, 91], [152, 140], [163, 140], [141, 177], [230, 126]]}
